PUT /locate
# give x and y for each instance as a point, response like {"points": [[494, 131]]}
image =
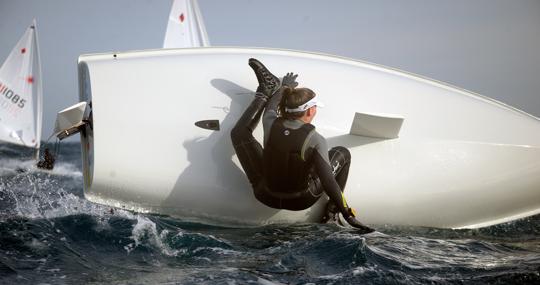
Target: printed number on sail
{"points": [[12, 96]]}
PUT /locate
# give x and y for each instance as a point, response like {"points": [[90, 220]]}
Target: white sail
{"points": [[21, 93], [185, 27]]}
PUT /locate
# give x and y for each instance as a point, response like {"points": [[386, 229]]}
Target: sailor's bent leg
{"points": [[340, 173], [248, 149], [329, 183], [340, 161]]}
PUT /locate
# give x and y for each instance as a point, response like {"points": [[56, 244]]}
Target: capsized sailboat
{"points": [[21, 93], [185, 27], [423, 153]]}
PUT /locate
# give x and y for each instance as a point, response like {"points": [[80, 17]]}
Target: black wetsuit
{"points": [[324, 171]]}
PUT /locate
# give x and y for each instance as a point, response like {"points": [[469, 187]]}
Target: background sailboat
{"points": [[185, 27], [21, 93]]}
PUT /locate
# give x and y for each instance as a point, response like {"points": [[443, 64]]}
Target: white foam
{"points": [[12, 166], [145, 232], [37, 196], [263, 281]]}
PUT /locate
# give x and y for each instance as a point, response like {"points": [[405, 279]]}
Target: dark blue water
{"points": [[49, 234]]}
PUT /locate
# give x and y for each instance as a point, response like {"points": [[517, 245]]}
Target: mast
{"points": [[205, 42], [39, 93]]}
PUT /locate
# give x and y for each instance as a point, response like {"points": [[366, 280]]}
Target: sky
{"points": [[490, 47]]}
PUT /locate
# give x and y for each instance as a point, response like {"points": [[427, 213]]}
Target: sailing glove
{"points": [[289, 80], [351, 220]]}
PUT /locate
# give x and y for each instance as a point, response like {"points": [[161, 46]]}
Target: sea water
{"points": [[49, 234]]}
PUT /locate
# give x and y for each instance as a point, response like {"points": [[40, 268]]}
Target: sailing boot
{"points": [[268, 83]]}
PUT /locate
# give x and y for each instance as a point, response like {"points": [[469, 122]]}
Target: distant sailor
{"points": [[47, 162], [295, 168]]}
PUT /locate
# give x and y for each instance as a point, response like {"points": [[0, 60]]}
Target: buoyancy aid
{"points": [[287, 164]]}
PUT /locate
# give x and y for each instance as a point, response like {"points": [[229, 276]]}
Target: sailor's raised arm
{"points": [[271, 110]]}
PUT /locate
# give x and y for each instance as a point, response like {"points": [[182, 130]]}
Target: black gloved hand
{"points": [[351, 220], [289, 80]]}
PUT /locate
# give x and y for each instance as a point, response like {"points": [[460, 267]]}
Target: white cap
{"points": [[313, 102]]}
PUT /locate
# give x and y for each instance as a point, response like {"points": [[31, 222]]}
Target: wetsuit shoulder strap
{"points": [[309, 129]]}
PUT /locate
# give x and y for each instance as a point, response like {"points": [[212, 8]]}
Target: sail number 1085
{"points": [[12, 96]]}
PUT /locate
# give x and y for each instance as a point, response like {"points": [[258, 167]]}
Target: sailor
{"points": [[47, 162], [294, 168]]}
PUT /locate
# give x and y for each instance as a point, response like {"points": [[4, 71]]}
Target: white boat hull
{"points": [[461, 160]]}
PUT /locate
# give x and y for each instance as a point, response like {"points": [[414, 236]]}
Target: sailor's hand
{"points": [[289, 80], [351, 220]]}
